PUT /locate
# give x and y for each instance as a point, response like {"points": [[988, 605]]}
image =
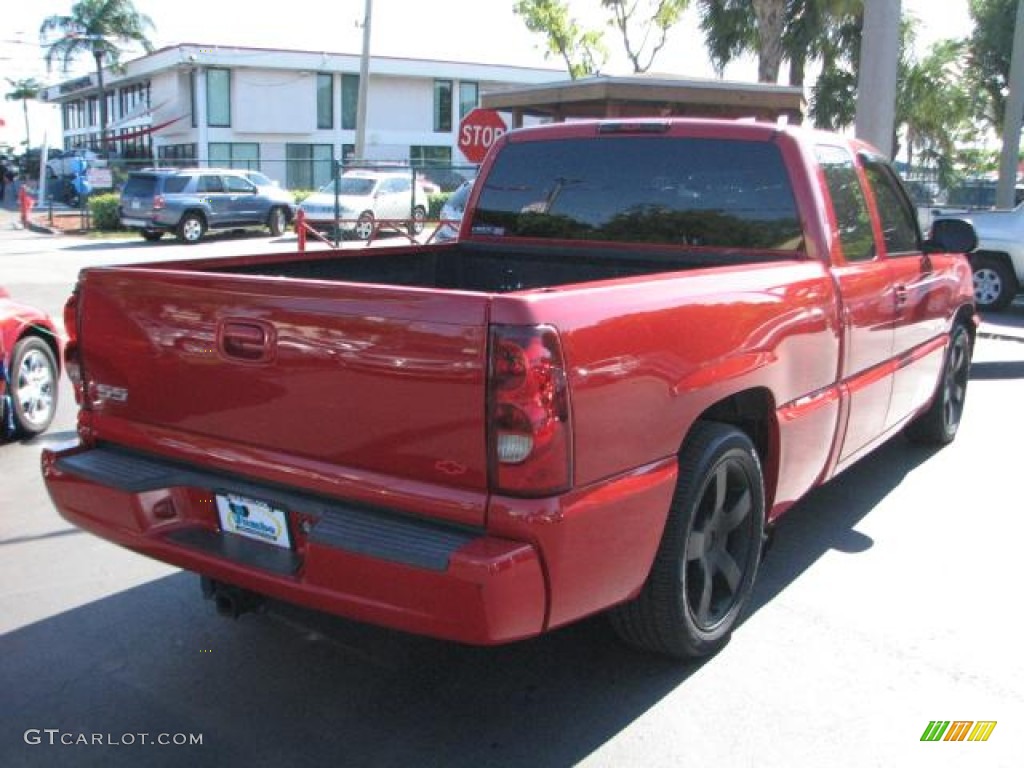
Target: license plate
{"points": [[253, 519], [134, 222]]}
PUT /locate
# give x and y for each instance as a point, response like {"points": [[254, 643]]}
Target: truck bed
{"points": [[487, 269]]}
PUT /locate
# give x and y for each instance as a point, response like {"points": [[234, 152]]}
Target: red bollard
{"points": [[300, 229], [24, 204]]}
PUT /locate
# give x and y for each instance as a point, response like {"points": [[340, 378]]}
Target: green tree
{"points": [[96, 28], [771, 26], [582, 50], [933, 107], [644, 26], [22, 90], [833, 100], [990, 48], [797, 31]]}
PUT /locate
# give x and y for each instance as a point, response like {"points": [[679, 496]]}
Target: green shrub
{"points": [[301, 194], [103, 209], [437, 201]]}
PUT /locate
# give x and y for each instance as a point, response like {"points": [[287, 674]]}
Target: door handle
{"points": [[902, 294], [249, 341]]}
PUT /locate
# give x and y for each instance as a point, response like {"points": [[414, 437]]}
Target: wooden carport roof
{"points": [[648, 96]]}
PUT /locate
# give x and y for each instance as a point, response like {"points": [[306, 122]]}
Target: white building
{"points": [[287, 113]]}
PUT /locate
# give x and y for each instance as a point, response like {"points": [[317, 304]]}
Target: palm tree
{"points": [[933, 103], [96, 27], [799, 31], [23, 90]]}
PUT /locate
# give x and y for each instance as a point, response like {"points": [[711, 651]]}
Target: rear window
{"points": [[139, 186], [696, 192]]}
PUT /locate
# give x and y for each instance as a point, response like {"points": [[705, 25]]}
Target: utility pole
{"points": [[364, 81], [1012, 119], [876, 86]]}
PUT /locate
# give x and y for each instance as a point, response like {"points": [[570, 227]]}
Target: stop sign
{"points": [[478, 131]]}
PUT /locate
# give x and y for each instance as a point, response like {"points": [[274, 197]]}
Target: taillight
{"points": [[72, 360], [159, 202], [529, 431]]}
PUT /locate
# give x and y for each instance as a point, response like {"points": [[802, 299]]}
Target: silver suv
{"points": [[188, 202], [368, 201]]}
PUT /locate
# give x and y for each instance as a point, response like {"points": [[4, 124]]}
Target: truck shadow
{"points": [[826, 519], [1000, 369], [292, 686]]}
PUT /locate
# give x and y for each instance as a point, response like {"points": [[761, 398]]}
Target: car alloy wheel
{"points": [[33, 385]]}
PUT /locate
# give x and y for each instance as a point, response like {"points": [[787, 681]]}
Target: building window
{"points": [[135, 144], [93, 110], [349, 101], [134, 100], [235, 155], [193, 104], [420, 156], [218, 98], [325, 101], [177, 154], [309, 165], [442, 106], [469, 98], [111, 99]]}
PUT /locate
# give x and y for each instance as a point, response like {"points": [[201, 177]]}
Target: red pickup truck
{"points": [[651, 338]]}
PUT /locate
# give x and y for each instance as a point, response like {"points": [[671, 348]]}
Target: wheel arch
{"points": [[752, 411], [965, 317], [1003, 257], [198, 212], [49, 337]]}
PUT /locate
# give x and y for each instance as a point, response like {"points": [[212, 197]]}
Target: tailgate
{"points": [[331, 381]]}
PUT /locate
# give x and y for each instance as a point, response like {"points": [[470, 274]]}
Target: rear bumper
{"points": [[371, 565], [146, 223]]}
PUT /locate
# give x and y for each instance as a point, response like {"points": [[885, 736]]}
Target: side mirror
{"points": [[951, 236]]}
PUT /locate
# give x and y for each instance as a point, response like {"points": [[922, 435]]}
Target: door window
{"points": [[899, 220], [238, 185], [848, 203], [209, 184]]}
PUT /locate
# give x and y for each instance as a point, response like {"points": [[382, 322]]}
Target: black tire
{"points": [[995, 285], [277, 222], [703, 573], [419, 218], [364, 226], [191, 228], [151, 236], [938, 425], [34, 380]]}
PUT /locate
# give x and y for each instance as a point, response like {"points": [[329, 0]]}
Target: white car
{"points": [[368, 200], [63, 163], [451, 213], [998, 262]]}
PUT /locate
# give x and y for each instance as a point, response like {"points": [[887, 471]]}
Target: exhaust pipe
{"points": [[229, 600]]}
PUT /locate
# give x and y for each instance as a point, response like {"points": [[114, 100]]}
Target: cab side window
{"points": [[899, 220], [209, 184], [848, 202], [237, 185]]}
